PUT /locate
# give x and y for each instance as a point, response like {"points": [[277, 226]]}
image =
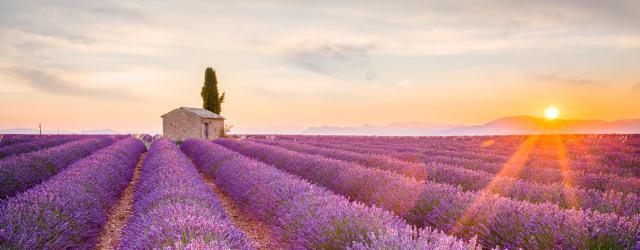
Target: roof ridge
{"points": [[203, 113]]}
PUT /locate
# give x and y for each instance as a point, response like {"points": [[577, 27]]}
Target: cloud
{"points": [[51, 83], [88, 34], [510, 15], [72, 19], [558, 78], [123, 12], [465, 27], [636, 87], [404, 83], [346, 62]]}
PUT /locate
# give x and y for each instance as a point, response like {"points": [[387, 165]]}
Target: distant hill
{"points": [[504, 126], [514, 125], [274, 129], [100, 132], [32, 131], [399, 128], [534, 125]]}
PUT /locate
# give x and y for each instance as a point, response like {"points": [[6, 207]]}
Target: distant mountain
{"points": [[100, 132], [504, 126], [274, 129], [399, 128], [32, 131], [534, 125], [515, 125]]}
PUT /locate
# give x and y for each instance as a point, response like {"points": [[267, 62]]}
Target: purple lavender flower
{"points": [[611, 201], [33, 145], [10, 139], [306, 215], [68, 210], [174, 208], [21, 172], [495, 220]]}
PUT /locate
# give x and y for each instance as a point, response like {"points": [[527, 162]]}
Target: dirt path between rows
{"points": [[120, 213], [257, 231]]}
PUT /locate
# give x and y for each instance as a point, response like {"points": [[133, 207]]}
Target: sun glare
{"points": [[551, 113]]}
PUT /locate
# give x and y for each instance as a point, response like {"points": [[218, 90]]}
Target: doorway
{"points": [[206, 130]]}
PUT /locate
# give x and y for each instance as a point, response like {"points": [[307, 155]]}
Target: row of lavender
{"points": [[172, 203], [608, 154], [494, 219], [579, 147], [558, 193], [601, 181], [515, 167], [12, 145], [8, 139], [620, 154], [612, 154], [307, 216], [174, 208], [21, 172], [33, 145], [68, 210]]}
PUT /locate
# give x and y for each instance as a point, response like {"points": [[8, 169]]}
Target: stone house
{"points": [[184, 123]]}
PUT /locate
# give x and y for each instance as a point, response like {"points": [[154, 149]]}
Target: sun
{"points": [[551, 113]]}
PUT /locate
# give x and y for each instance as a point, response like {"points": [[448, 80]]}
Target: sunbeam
{"points": [[565, 167], [513, 167]]}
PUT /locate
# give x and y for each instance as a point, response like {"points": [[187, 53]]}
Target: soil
{"points": [[257, 231], [120, 213]]}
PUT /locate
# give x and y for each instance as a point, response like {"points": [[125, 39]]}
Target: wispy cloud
{"points": [[79, 35], [346, 62], [51, 83], [70, 18], [521, 16], [404, 83], [558, 78]]}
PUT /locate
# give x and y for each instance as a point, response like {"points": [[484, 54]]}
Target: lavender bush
{"points": [[174, 208], [67, 211], [37, 144], [496, 220], [590, 153], [585, 174], [558, 193], [6, 140], [306, 215], [21, 172]]}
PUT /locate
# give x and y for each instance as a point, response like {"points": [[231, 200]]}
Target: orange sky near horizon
{"points": [[473, 106]]}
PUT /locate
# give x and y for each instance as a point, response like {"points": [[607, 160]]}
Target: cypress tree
{"points": [[211, 100]]}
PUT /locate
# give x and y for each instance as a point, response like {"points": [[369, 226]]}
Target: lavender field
{"points": [[320, 192]]}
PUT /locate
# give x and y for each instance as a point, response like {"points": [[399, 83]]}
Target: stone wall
{"points": [[216, 128], [180, 125]]}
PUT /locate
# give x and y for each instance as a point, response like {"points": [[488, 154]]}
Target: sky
{"points": [[83, 65]]}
